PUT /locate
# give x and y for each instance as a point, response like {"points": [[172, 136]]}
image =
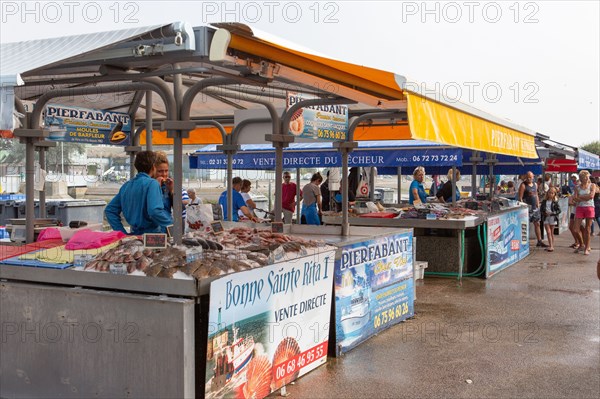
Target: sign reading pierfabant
{"points": [[84, 125], [373, 288], [321, 122]]}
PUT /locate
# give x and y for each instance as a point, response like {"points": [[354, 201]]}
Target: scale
{"points": [[16, 227]]}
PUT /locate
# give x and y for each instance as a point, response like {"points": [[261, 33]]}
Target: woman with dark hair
{"points": [[311, 203]]}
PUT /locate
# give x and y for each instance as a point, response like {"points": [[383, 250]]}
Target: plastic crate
{"points": [[21, 209], [419, 269], [12, 197], [7, 211], [91, 211]]}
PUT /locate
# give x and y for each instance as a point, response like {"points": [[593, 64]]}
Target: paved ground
{"points": [[531, 331]]}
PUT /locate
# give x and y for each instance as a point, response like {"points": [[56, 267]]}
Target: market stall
{"points": [[269, 307], [137, 62], [442, 243]]}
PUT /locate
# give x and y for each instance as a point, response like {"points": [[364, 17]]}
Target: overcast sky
{"points": [[535, 63]]}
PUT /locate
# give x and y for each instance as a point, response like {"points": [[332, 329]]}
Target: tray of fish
{"points": [[131, 252]]}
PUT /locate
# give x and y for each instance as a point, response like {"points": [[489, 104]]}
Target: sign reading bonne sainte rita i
{"points": [[84, 125]]}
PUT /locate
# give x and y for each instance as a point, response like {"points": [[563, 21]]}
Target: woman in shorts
{"points": [[584, 198]]}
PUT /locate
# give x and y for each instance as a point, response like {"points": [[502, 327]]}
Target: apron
{"points": [[311, 214]]}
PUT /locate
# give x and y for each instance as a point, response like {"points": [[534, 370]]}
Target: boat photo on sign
{"points": [[84, 125], [268, 326]]}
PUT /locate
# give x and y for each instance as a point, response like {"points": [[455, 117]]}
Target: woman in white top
{"points": [[245, 191], [584, 198]]}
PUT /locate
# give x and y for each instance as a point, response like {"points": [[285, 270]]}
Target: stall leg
{"points": [[298, 213], [399, 185], [148, 120], [42, 194], [461, 256]]}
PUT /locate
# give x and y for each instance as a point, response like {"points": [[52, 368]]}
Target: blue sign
{"points": [[587, 160], [508, 239], [373, 288], [320, 122], [318, 159], [84, 125]]}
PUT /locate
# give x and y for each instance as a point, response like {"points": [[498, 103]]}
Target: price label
{"points": [[277, 227], [217, 227], [117, 268], [155, 240]]}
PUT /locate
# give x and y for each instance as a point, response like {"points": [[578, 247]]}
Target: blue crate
{"points": [[12, 197]]}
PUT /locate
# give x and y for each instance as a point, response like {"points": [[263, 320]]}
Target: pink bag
{"points": [[50, 233], [88, 239]]}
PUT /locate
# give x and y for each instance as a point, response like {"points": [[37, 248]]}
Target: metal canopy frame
{"points": [[143, 76], [149, 69]]}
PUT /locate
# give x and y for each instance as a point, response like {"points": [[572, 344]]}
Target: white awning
{"points": [[20, 58]]}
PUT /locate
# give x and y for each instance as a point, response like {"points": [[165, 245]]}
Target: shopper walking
{"points": [[288, 197], [576, 233], [311, 203], [550, 212], [584, 198], [528, 194], [597, 204]]}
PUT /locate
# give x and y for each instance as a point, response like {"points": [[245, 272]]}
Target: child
{"points": [[550, 211]]}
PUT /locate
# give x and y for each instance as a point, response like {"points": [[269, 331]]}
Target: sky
{"points": [[535, 63]]}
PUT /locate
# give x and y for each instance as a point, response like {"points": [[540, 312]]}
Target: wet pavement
{"points": [[531, 331]]}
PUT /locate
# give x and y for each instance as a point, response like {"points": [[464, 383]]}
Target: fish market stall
{"points": [[166, 294], [217, 311], [457, 241]]}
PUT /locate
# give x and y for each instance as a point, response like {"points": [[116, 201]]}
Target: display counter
{"points": [[109, 331], [455, 246]]}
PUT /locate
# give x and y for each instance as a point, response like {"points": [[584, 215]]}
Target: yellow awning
{"points": [[429, 119], [433, 121]]}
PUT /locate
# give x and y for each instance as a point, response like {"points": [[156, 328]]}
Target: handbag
{"points": [[363, 185]]}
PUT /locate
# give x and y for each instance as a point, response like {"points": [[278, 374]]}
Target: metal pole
{"points": [[281, 137], [461, 234], [177, 162], [270, 192], [278, 180], [132, 170], [229, 186], [399, 184], [492, 178], [345, 221], [454, 185], [149, 120], [43, 192], [474, 176], [62, 159], [298, 189], [29, 192]]}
